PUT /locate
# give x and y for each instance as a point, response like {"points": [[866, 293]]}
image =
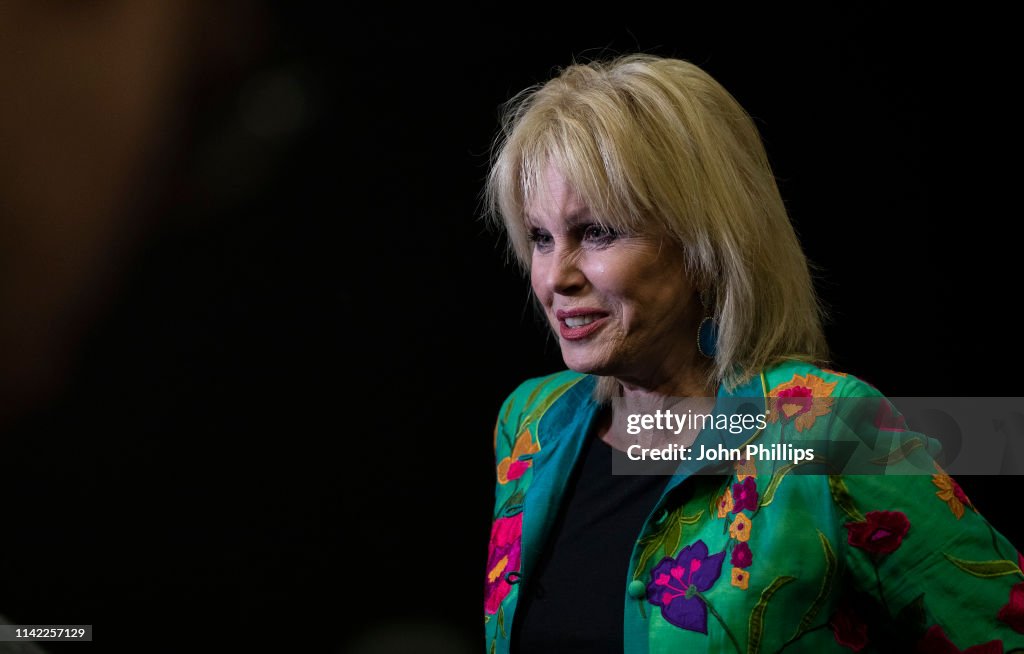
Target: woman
{"points": [[637, 194]]}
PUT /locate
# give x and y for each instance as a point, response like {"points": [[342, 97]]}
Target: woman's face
{"points": [[621, 304]]}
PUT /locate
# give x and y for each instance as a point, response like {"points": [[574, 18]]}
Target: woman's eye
{"points": [[599, 233], [539, 238]]}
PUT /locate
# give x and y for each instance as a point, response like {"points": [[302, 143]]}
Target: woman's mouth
{"points": [[577, 324], [579, 321]]}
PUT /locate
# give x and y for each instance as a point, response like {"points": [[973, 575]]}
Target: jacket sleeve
{"points": [[927, 571]]}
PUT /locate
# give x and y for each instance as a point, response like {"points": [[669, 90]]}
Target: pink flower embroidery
{"points": [[742, 557], [881, 532], [802, 399], [744, 495], [848, 628], [513, 466], [935, 641], [1012, 612], [888, 419], [503, 558]]}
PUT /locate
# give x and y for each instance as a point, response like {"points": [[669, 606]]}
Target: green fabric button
{"points": [[637, 589]]}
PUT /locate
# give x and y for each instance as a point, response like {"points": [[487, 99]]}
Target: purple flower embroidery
{"points": [[674, 583], [744, 495], [742, 557]]}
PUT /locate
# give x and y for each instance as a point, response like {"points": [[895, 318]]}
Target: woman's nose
{"points": [[565, 276]]}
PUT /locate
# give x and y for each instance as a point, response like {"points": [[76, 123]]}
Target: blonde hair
{"points": [[651, 142]]}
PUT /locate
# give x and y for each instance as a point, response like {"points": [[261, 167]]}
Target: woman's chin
{"points": [[587, 366]]}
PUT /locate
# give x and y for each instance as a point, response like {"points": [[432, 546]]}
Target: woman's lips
{"points": [[591, 319]]}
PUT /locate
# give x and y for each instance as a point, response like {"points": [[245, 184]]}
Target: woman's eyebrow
{"points": [[578, 217]]}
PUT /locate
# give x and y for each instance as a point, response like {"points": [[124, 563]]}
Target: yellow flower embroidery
{"points": [[740, 578], [725, 504], [744, 469], [802, 399], [740, 528], [499, 567], [950, 492], [511, 467]]}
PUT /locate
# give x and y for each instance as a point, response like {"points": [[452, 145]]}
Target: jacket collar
{"points": [[745, 399], [561, 433], [568, 422]]}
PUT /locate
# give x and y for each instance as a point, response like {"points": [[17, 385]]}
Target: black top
{"points": [[574, 600]]}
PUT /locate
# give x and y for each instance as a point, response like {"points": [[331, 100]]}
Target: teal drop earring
{"points": [[707, 333]]}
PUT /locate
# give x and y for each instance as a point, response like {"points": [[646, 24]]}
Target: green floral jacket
{"points": [[761, 557]]}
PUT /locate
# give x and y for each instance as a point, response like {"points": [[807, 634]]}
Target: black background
{"points": [[279, 428]]}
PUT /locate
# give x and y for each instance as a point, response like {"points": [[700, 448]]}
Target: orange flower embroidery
{"points": [[740, 528], [951, 493], [511, 467], [834, 372], [740, 578], [744, 469], [802, 399], [725, 503]]}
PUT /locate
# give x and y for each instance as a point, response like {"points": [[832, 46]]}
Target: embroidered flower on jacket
{"points": [[1012, 612], [740, 528], [802, 399], [725, 504], [511, 467], [745, 468], [888, 419], [834, 372], [740, 578], [880, 532], [744, 495], [503, 557], [742, 557], [675, 582], [935, 641], [848, 628], [950, 492]]}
